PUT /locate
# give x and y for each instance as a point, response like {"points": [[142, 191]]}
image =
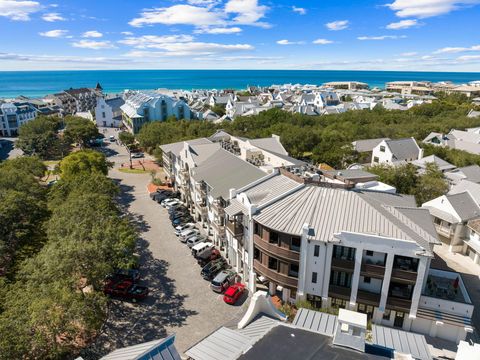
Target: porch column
{"points": [[356, 277], [385, 284], [328, 250], [272, 288], [302, 269], [417, 290]]}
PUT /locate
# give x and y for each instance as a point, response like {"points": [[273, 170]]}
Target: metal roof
{"points": [[401, 341], [404, 149], [367, 145], [464, 205], [315, 321], [329, 211], [223, 344], [442, 164], [269, 189], [235, 208], [162, 349], [175, 148], [466, 185], [223, 171], [272, 144], [259, 327]]}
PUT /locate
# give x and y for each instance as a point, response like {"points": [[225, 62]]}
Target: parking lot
{"points": [[180, 301]]}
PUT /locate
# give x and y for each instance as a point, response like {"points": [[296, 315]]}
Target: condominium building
{"points": [[76, 100], [13, 115]]}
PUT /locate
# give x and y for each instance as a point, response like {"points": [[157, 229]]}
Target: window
{"points": [[257, 254], [257, 229], [295, 243], [273, 263], [314, 277], [367, 280], [376, 159], [369, 253], [273, 239], [316, 251], [382, 148], [386, 315], [293, 271], [103, 115]]}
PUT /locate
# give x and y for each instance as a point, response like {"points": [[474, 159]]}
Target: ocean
{"points": [[39, 83]]}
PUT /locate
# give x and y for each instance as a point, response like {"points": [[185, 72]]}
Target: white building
{"points": [[108, 112], [396, 151], [13, 115]]}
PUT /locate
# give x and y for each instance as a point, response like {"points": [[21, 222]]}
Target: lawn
{"points": [[134, 171]]}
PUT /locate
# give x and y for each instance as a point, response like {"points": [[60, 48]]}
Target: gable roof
{"points": [[467, 185], [442, 164], [163, 349], [175, 148], [367, 145], [403, 149], [464, 205], [271, 144]]}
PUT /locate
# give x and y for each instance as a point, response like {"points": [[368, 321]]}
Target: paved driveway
{"points": [[181, 301]]}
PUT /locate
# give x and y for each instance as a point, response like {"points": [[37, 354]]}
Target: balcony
{"points": [[398, 304], [404, 275], [368, 298], [220, 229], [218, 208], [274, 276], [343, 264], [372, 270], [236, 229], [442, 230], [339, 292], [275, 250]]}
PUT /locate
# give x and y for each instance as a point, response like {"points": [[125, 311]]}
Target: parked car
{"points": [[185, 234], [137, 155], [212, 268], [125, 289], [169, 201], [160, 192], [180, 228], [112, 138], [222, 281], [177, 208], [125, 274], [191, 241], [178, 213], [160, 197], [182, 220], [233, 293], [172, 204], [207, 256], [201, 247]]}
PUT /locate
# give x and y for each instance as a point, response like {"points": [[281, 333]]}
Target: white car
{"points": [[183, 227], [165, 203], [194, 240], [187, 233], [201, 237], [175, 202]]}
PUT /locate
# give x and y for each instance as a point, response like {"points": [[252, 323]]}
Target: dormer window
{"points": [[382, 148]]}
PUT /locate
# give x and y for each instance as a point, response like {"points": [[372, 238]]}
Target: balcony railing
{"points": [[343, 264], [444, 231], [339, 292], [235, 228], [219, 228], [368, 298], [399, 304], [276, 250], [218, 208], [404, 275], [373, 270], [274, 276]]}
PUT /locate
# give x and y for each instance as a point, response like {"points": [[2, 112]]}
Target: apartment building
{"points": [[410, 87], [307, 237], [13, 115], [142, 107], [108, 112], [76, 100]]}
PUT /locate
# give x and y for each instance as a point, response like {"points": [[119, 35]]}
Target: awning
{"points": [[235, 208]]}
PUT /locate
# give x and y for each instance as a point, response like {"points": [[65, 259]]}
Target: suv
{"points": [[223, 281], [180, 228], [185, 234], [195, 239], [212, 268]]}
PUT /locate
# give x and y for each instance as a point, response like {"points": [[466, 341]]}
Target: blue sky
{"points": [[436, 35]]}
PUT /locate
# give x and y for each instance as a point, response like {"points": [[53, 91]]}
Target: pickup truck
{"points": [[207, 256], [125, 289]]}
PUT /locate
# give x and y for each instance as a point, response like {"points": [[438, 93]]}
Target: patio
{"points": [[444, 288]]}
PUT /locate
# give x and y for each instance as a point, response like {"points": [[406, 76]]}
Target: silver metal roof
{"points": [[315, 321], [223, 171], [269, 144], [259, 327], [235, 208], [402, 341], [175, 148], [329, 211], [270, 188], [223, 344], [162, 349], [404, 149]]}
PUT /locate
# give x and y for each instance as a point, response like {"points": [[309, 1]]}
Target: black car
{"points": [[159, 192], [125, 274], [160, 197], [177, 207], [182, 220], [178, 214], [213, 268]]}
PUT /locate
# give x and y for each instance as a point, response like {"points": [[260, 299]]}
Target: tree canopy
{"points": [[80, 130], [39, 137], [81, 162]]}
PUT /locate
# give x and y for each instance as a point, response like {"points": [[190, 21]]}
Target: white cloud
{"points": [[382, 37], [52, 17], [18, 10], [337, 25], [453, 50], [408, 54], [248, 12], [427, 8], [127, 33], [92, 34], [54, 33], [299, 10], [218, 30], [186, 49], [322, 42], [152, 41], [402, 24], [180, 15], [93, 45], [288, 42], [468, 57]]}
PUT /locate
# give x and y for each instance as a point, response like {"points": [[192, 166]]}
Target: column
{"points": [[356, 276], [272, 288], [302, 268], [328, 250], [417, 290], [385, 284]]}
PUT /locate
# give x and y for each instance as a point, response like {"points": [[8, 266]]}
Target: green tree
{"points": [[81, 162], [404, 178], [80, 130], [39, 137], [219, 110], [430, 185], [126, 138]]}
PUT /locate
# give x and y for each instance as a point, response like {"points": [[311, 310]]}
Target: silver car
{"points": [[222, 281]]}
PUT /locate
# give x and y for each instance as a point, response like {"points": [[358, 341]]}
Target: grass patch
{"points": [[133, 171]]}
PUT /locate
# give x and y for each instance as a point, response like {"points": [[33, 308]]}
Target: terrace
{"points": [[446, 285]]}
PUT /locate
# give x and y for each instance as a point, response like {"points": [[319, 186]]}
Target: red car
{"points": [[125, 289], [233, 293]]}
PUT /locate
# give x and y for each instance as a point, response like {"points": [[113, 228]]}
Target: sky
{"points": [[405, 35]]}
